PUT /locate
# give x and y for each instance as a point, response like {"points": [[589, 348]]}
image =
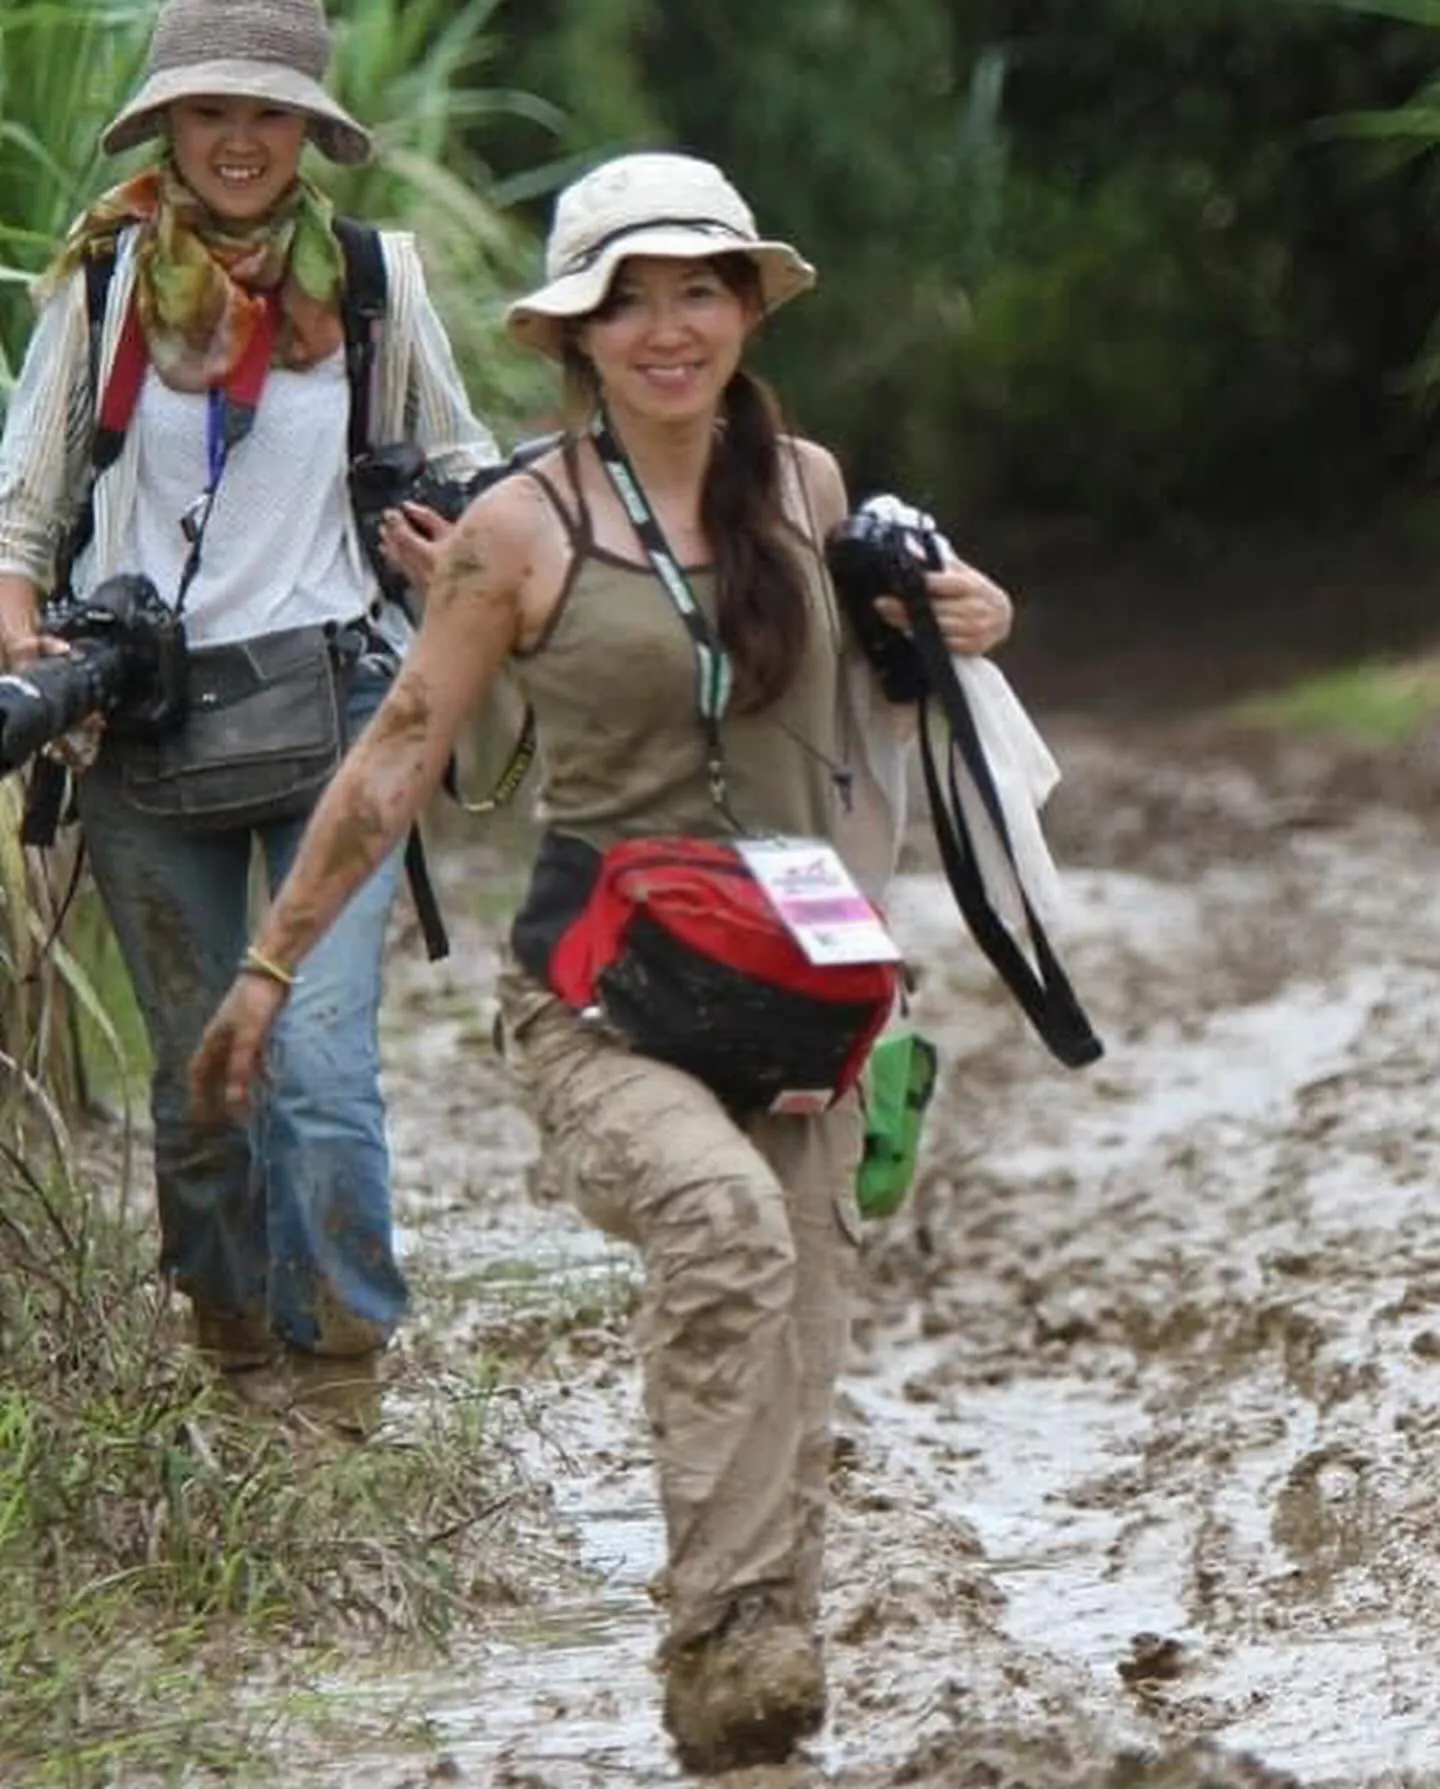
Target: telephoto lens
{"points": [[44, 700], [126, 662]]}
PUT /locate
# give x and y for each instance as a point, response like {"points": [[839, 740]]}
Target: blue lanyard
{"points": [[229, 414], [197, 517], [216, 445]]}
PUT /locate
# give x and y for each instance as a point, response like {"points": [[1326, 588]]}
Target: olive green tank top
{"points": [[613, 687]]}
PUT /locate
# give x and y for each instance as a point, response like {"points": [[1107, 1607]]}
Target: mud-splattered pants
{"points": [[749, 1242], [292, 1213]]}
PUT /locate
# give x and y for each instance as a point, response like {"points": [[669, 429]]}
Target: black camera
{"points": [[126, 662], [398, 473], [873, 554], [387, 477]]}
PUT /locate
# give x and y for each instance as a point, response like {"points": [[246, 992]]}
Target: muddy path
{"points": [[1140, 1464]]}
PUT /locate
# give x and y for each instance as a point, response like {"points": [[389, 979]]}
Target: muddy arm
{"points": [[395, 765], [470, 625]]}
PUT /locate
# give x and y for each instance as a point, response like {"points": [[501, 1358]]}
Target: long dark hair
{"points": [[761, 606]]}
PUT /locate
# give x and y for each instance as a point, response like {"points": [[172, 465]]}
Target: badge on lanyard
{"points": [[818, 900]]}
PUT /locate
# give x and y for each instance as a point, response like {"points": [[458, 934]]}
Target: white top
{"points": [[279, 550], [417, 396]]}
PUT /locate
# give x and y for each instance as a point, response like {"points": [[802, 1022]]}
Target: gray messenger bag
{"points": [[263, 733]]}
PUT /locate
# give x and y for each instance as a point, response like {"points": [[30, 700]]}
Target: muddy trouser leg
{"points": [[335, 1285], [651, 1156], [815, 1159], [177, 903]]}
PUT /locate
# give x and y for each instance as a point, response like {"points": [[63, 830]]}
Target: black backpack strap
{"points": [[105, 445], [99, 273], [363, 306]]}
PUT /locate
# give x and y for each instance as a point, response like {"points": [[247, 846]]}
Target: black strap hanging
{"points": [[364, 302], [1042, 990]]}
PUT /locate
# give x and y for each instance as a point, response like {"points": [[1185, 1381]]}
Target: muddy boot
{"points": [[339, 1393], [341, 1335], [747, 1693], [233, 1341]]}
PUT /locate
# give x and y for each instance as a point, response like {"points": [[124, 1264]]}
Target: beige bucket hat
{"points": [[646, 204], [275, 50]]}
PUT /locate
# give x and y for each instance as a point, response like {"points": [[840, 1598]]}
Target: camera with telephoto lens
{"points": [[885, 549], [126, 663]]}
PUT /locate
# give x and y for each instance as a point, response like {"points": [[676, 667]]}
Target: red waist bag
{"points": [[680, 948]]}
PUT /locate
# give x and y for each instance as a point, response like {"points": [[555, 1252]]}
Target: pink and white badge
{"points": [[818, 900]]}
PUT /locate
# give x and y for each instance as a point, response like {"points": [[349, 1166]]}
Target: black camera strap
{"points": [[1041, 988], [713, 672]]}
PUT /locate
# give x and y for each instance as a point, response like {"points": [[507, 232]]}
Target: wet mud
{"points": [[1139, 1465]]}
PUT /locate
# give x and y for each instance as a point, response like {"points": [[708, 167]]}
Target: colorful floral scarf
{"points": [[202, 285]]}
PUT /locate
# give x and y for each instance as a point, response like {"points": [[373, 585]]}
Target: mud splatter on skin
{"points": [[355, 836], [460, 577]]}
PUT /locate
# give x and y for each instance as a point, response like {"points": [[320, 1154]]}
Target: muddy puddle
{"points": [[1139, 1467]]}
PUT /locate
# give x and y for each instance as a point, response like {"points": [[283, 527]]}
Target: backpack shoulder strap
{"points": [[105, 444], [364, 302], [363, 306], [99, 272], [108, 436]]}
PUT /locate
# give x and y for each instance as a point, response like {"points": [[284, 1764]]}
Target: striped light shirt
{"points": [[45, 454]]}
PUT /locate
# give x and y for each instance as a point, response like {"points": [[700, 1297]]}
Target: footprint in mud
{"points": [[1324, 1516]]}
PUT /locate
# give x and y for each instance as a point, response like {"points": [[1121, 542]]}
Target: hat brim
{"points": [[538, 320], [335, 133]]}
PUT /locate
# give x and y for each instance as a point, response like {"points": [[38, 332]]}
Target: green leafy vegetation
{"points": [[1382, 703], [1111, 261]]}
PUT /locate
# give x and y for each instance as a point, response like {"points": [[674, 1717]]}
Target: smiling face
{"points": [[668, 337], [238, 156]]}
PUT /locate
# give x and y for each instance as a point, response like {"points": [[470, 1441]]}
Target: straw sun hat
{"points": [[648, 204], [271, 50]]}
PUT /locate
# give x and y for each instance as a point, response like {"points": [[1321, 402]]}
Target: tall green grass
{"points": [[65, 66], [160, 1538], [413, 71]]}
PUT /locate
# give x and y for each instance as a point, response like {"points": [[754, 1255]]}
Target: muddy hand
{"points": [[411, 538], [231, 1053], [78, 749], [974, 613]]}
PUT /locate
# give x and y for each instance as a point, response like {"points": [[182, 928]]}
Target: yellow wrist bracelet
{"points": [[253, 963]]}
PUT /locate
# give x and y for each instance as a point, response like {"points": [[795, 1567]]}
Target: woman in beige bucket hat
{"points": [[673, 492], [279, 1232]]}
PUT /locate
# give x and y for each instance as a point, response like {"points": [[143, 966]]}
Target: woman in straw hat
{"points": [[279, 1231], [673, 495]]}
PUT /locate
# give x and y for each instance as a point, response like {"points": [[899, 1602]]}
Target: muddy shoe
{"points": [[339, 1394], [340, 1334], [746, 1694], [233, 1341]]}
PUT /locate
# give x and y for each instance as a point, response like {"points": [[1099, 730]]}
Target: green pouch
{"points": [[898, 1082]]}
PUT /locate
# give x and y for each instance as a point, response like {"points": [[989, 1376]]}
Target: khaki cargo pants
{"points": [[749, 1241]]}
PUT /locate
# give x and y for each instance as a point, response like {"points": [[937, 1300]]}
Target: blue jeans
{"points": [[289, 1214]]}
